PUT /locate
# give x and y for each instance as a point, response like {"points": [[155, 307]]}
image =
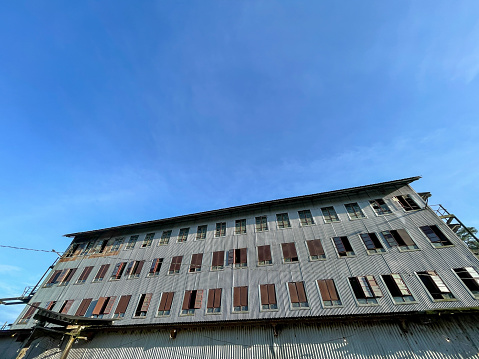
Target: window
{"points": [[372, 243], [218, 260], [29, 313], [437, 238], [84, 275], [165, 238], [50, 305], [268, 297], [329, 215], [398, 238], [72, 250], [407, 202], [196, 260], [261, 223], [343, 247], [100, 247], [101, 273], [134, 269], [283, 220], [121, 307], [116, 244], [329, 293], [131, 242], [354, 211], [220, 229], [118, 271], [143, 305], [289, 252], [297, 295], [103, 307], [365, 289], [175, 265], [66, 276], [192, 301], [201, 232], [53, 279], [380, 207], [398, 289], [155, 267], [240, 226], [237, 257], [435, 286], [165, 304], [82, 309], [148, 240], [66, 306], [316, 250], [214, 301], [87, 248], [470, 278], [306, 218], [264, 255], [183, 235], [240, 299]]}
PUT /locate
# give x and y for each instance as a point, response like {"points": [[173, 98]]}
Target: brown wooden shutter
{"points": [[62, 275], [186, 300], [271, 294], [301, 292], [86, 272], [332, 289], [218, 258], [85, 303], [244, 296], [164, 298], [154, 265], [405, 237], [122, 304], [109, 305], [315, 247], [243, 255], [146, 302], [31, 310], [293, 293], [237, 296], [218, 292], [267, 253], [66, 307], [286, 250], [323, 289], [211, 298], [139, 267], [169, 300], [176, 263], [261, 254], [101, 273], [264, 294], [196, 260], [99, 305], [198, 299]]}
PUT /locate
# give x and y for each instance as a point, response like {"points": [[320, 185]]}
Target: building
{"points": [[367, 271]]}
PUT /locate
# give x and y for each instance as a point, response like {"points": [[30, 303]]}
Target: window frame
{"points": [[220, 229], [264, 227], [182, 237], [157, 315], [332, 306], [142, 305], [191, 311], [241, 311], [282, 253], [330, 220], [325, 257], [165, 237], [475, 296], [374, 297], [196, 269], [363, 215], [242, 227], [375, 251], [207, 312], [278, 221], [291, 307], [349, 254], [257, 256], [305, 212], [374, 201], [130, 245], [432, 243], [148, 240], [398, 201], [213, 268], [401, 248], [117, 243], [408, 287], [200, 235], [453, 299], [176, 271], [156, 273], [261, 309]]}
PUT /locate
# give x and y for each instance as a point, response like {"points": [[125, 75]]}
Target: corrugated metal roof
{"points": [[194, 216]]}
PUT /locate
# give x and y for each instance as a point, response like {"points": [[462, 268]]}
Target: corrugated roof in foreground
{"points": [[216, 212]]}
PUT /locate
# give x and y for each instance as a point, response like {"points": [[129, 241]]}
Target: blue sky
{"points": [[117, 112]]}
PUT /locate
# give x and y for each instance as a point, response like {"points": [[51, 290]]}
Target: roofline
{"points": [[193, 216]]}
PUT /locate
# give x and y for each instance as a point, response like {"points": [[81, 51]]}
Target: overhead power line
{"points": [[30, 249]]}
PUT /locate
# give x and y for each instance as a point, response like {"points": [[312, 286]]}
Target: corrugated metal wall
{"points": [[452, 338], [393, 261]]}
